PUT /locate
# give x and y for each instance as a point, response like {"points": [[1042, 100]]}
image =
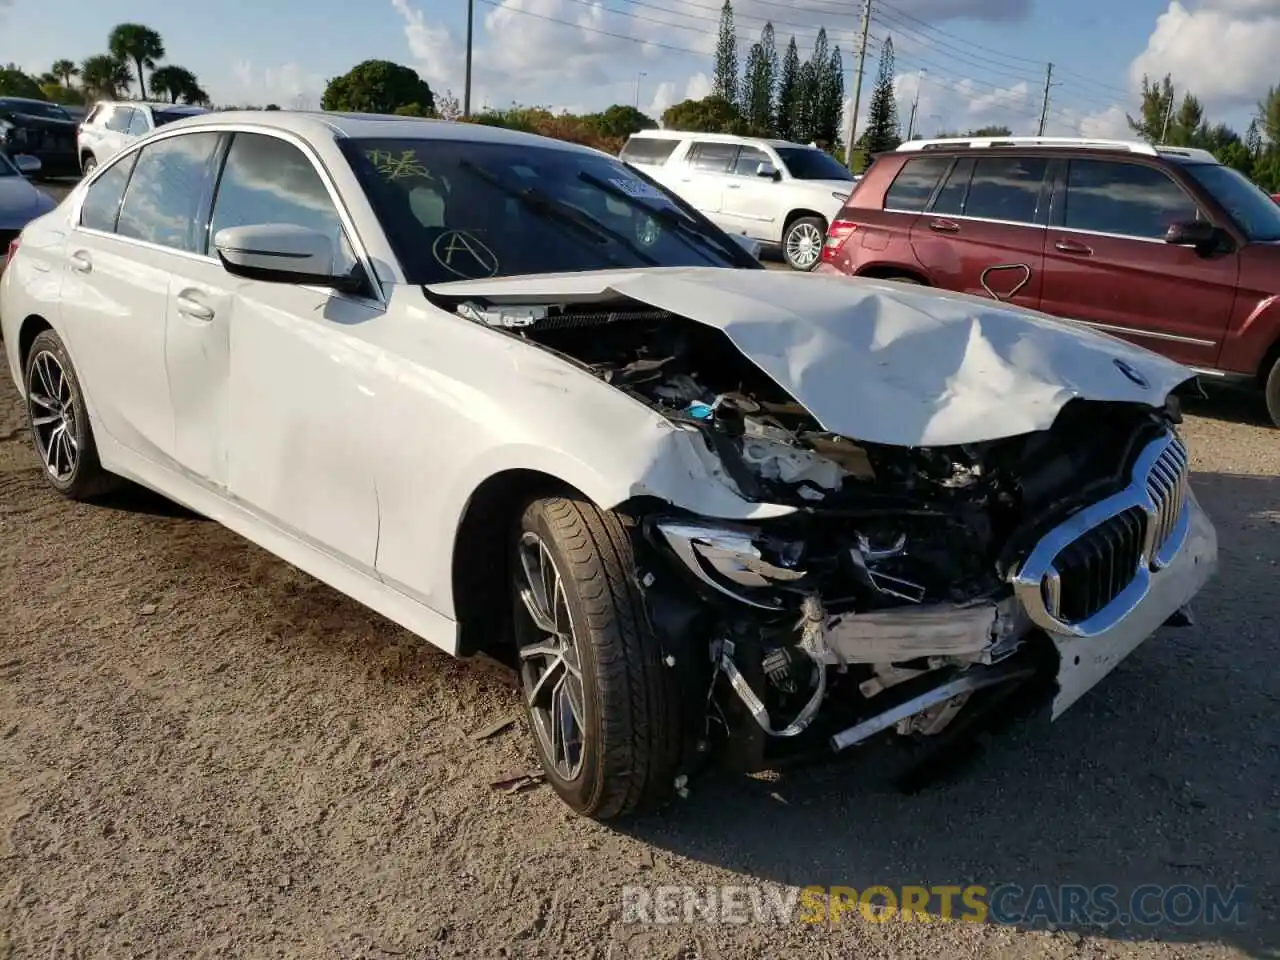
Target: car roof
{"points": [[153, 105], [313, 125], [43, 103], [669, 134], [1031, 144]]}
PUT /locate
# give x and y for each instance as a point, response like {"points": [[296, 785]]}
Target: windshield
{"points": [[461, 210], [34, 108], [1253, 211], [808, 163]]}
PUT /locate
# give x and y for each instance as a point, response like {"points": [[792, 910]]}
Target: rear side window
{"points": [[1006, 188], [137, 124], [101, 204], [118, 119], [649, 150], [915, 183], [163, 200], [713, 157], [1128, 199], [953, 193]]}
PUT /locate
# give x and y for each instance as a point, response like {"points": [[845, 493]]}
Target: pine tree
{"points": [[1253, 139], [1157, 101], [831, 102], [725, 82], [759, 82], [806, 101], [882, 116], [784, 114]]}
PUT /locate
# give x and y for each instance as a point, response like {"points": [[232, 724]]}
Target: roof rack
{"points": [[1080, 143]]}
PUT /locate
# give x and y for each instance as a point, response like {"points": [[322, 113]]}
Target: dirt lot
{"points": [[206, 753]]}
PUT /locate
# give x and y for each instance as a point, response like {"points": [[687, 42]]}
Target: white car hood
{"points": [[875, 360]]}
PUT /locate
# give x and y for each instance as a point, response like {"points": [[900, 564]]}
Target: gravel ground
{"points": [[207, 753]]}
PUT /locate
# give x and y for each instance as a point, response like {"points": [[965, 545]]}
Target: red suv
{"points": [[1164, 246]]}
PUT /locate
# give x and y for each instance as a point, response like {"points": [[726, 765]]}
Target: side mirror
{"points": [[768, 171], [27, 164], [282, 253], [1191, 233], [749, 244]]}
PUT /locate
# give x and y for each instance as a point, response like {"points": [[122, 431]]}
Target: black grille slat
{"points": [[1097, 567]]}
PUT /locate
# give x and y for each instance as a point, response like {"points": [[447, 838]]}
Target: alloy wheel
{"points": [[550, 668], [804, 245], [51, 406]]}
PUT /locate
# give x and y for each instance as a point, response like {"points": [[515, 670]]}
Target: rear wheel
{"points": [[88, 164], [601, 703], [1273, 392], [59, 422], [802, 242]]}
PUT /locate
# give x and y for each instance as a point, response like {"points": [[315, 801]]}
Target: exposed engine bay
{"points": [[869, 607]]}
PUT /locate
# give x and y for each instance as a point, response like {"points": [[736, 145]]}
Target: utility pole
{"points": [[915, 105], [1044, 107], [857, 83], [466, 92], [1168, 115], [639, 76]]}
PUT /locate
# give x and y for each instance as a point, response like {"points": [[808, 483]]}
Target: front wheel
{"points": [[802, 242], [1273, 392], [602, 704], [88, 164]]}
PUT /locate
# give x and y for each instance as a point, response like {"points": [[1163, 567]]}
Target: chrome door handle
{"points": [[80, 262], [733, 186], [944, 226], [1070, 246], [190, 307]]}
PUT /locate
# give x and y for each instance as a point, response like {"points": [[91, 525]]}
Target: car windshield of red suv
{"points": [[1255, 212], [807, 163]]}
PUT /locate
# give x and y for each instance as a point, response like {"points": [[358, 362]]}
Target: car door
{"points": [[136, 229], [300, 448], [983, 232], [751, 203], [1106, 262], [701, 180]]}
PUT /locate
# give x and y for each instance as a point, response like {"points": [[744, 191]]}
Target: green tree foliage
{"points": [[138, 44], [177, 83], [65, 70], [104, 75], [784, 114], [882, 116], [712, 114], [620, 121], [15, 83], [1253, 139], [724, 83], [1157, 98], [1269, 115], [830, 103], [760, 83], [378, 86]]}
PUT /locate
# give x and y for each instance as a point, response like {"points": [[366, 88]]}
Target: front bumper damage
{"points": [[1080, 599]]}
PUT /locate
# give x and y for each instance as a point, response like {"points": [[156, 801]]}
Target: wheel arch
{"points": [[1269, 360], [890, 271], [28, 330], [801, 213]]}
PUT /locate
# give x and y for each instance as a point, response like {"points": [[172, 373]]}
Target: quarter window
{"points": [[137, 124], [915, 183], [653, 150], [163, 200], [101, 204], [268, 180], [713, 157], [1006, 188], [1127, 199]]}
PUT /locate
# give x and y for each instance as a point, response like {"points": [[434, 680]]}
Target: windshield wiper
{"points": [[683, 227], [563, 213]]}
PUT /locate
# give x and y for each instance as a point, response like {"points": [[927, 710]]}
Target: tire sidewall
{"points": [[49, 342], [90, 164], [584, 791], [1271, 393], [786, 236]]}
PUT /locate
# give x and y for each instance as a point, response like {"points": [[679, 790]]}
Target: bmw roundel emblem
{"points": [[1131, 373]]}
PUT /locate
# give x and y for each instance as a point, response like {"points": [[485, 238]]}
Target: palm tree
{"points": [[65, 71], [105, 76], [139, 43], [176, 82]]}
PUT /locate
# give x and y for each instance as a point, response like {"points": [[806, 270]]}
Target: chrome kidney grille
{"points": [[1088, 573]]}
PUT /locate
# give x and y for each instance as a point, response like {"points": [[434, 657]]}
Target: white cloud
{"points": [[1222, 50], [287, 85]]}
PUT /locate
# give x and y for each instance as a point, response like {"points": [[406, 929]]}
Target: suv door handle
{"points": [[80, 262], [733, 186], [944, 226], [189, 306], [1073, 246]]}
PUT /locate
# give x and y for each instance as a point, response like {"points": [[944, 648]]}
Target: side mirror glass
{"points": [[1191, 233], [27, 164], [282, 253]]}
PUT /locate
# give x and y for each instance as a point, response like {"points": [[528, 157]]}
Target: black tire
{"points": [[904, 279], [630, 742], [88, 164], [795, 232], [1272, 392], [77, 475]]}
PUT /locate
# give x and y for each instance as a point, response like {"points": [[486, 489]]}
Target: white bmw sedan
{"points": [[518, 398]]}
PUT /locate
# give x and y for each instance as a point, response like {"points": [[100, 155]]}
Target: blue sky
{"points": [[976, 61]]}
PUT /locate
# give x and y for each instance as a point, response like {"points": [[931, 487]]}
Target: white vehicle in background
{"points": [[112, 126], [782, 194]]}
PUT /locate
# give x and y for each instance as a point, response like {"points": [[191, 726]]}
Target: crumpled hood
{"points": [[879, 361]]}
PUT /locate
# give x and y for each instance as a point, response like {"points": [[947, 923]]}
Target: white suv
{"points": [[781, 194], [111, 126]]}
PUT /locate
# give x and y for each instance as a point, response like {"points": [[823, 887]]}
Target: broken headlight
{"points": [[729, 559]]}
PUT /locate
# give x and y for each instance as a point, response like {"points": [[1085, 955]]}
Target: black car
{"points": [[41, 129]]}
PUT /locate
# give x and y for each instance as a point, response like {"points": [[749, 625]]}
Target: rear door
{"points": [[983, 233], [1106, 262]]}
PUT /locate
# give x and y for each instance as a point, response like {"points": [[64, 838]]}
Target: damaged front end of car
{"points": [[908, 589]]}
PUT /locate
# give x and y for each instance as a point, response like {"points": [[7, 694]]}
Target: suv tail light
{"points": [[837, 234]]}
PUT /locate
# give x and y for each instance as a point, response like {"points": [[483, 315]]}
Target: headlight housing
{"points": [[728, 559]]}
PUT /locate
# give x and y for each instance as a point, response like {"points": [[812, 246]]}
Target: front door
{"points": [[700, 181], [1106, 262], [752, 204]]}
